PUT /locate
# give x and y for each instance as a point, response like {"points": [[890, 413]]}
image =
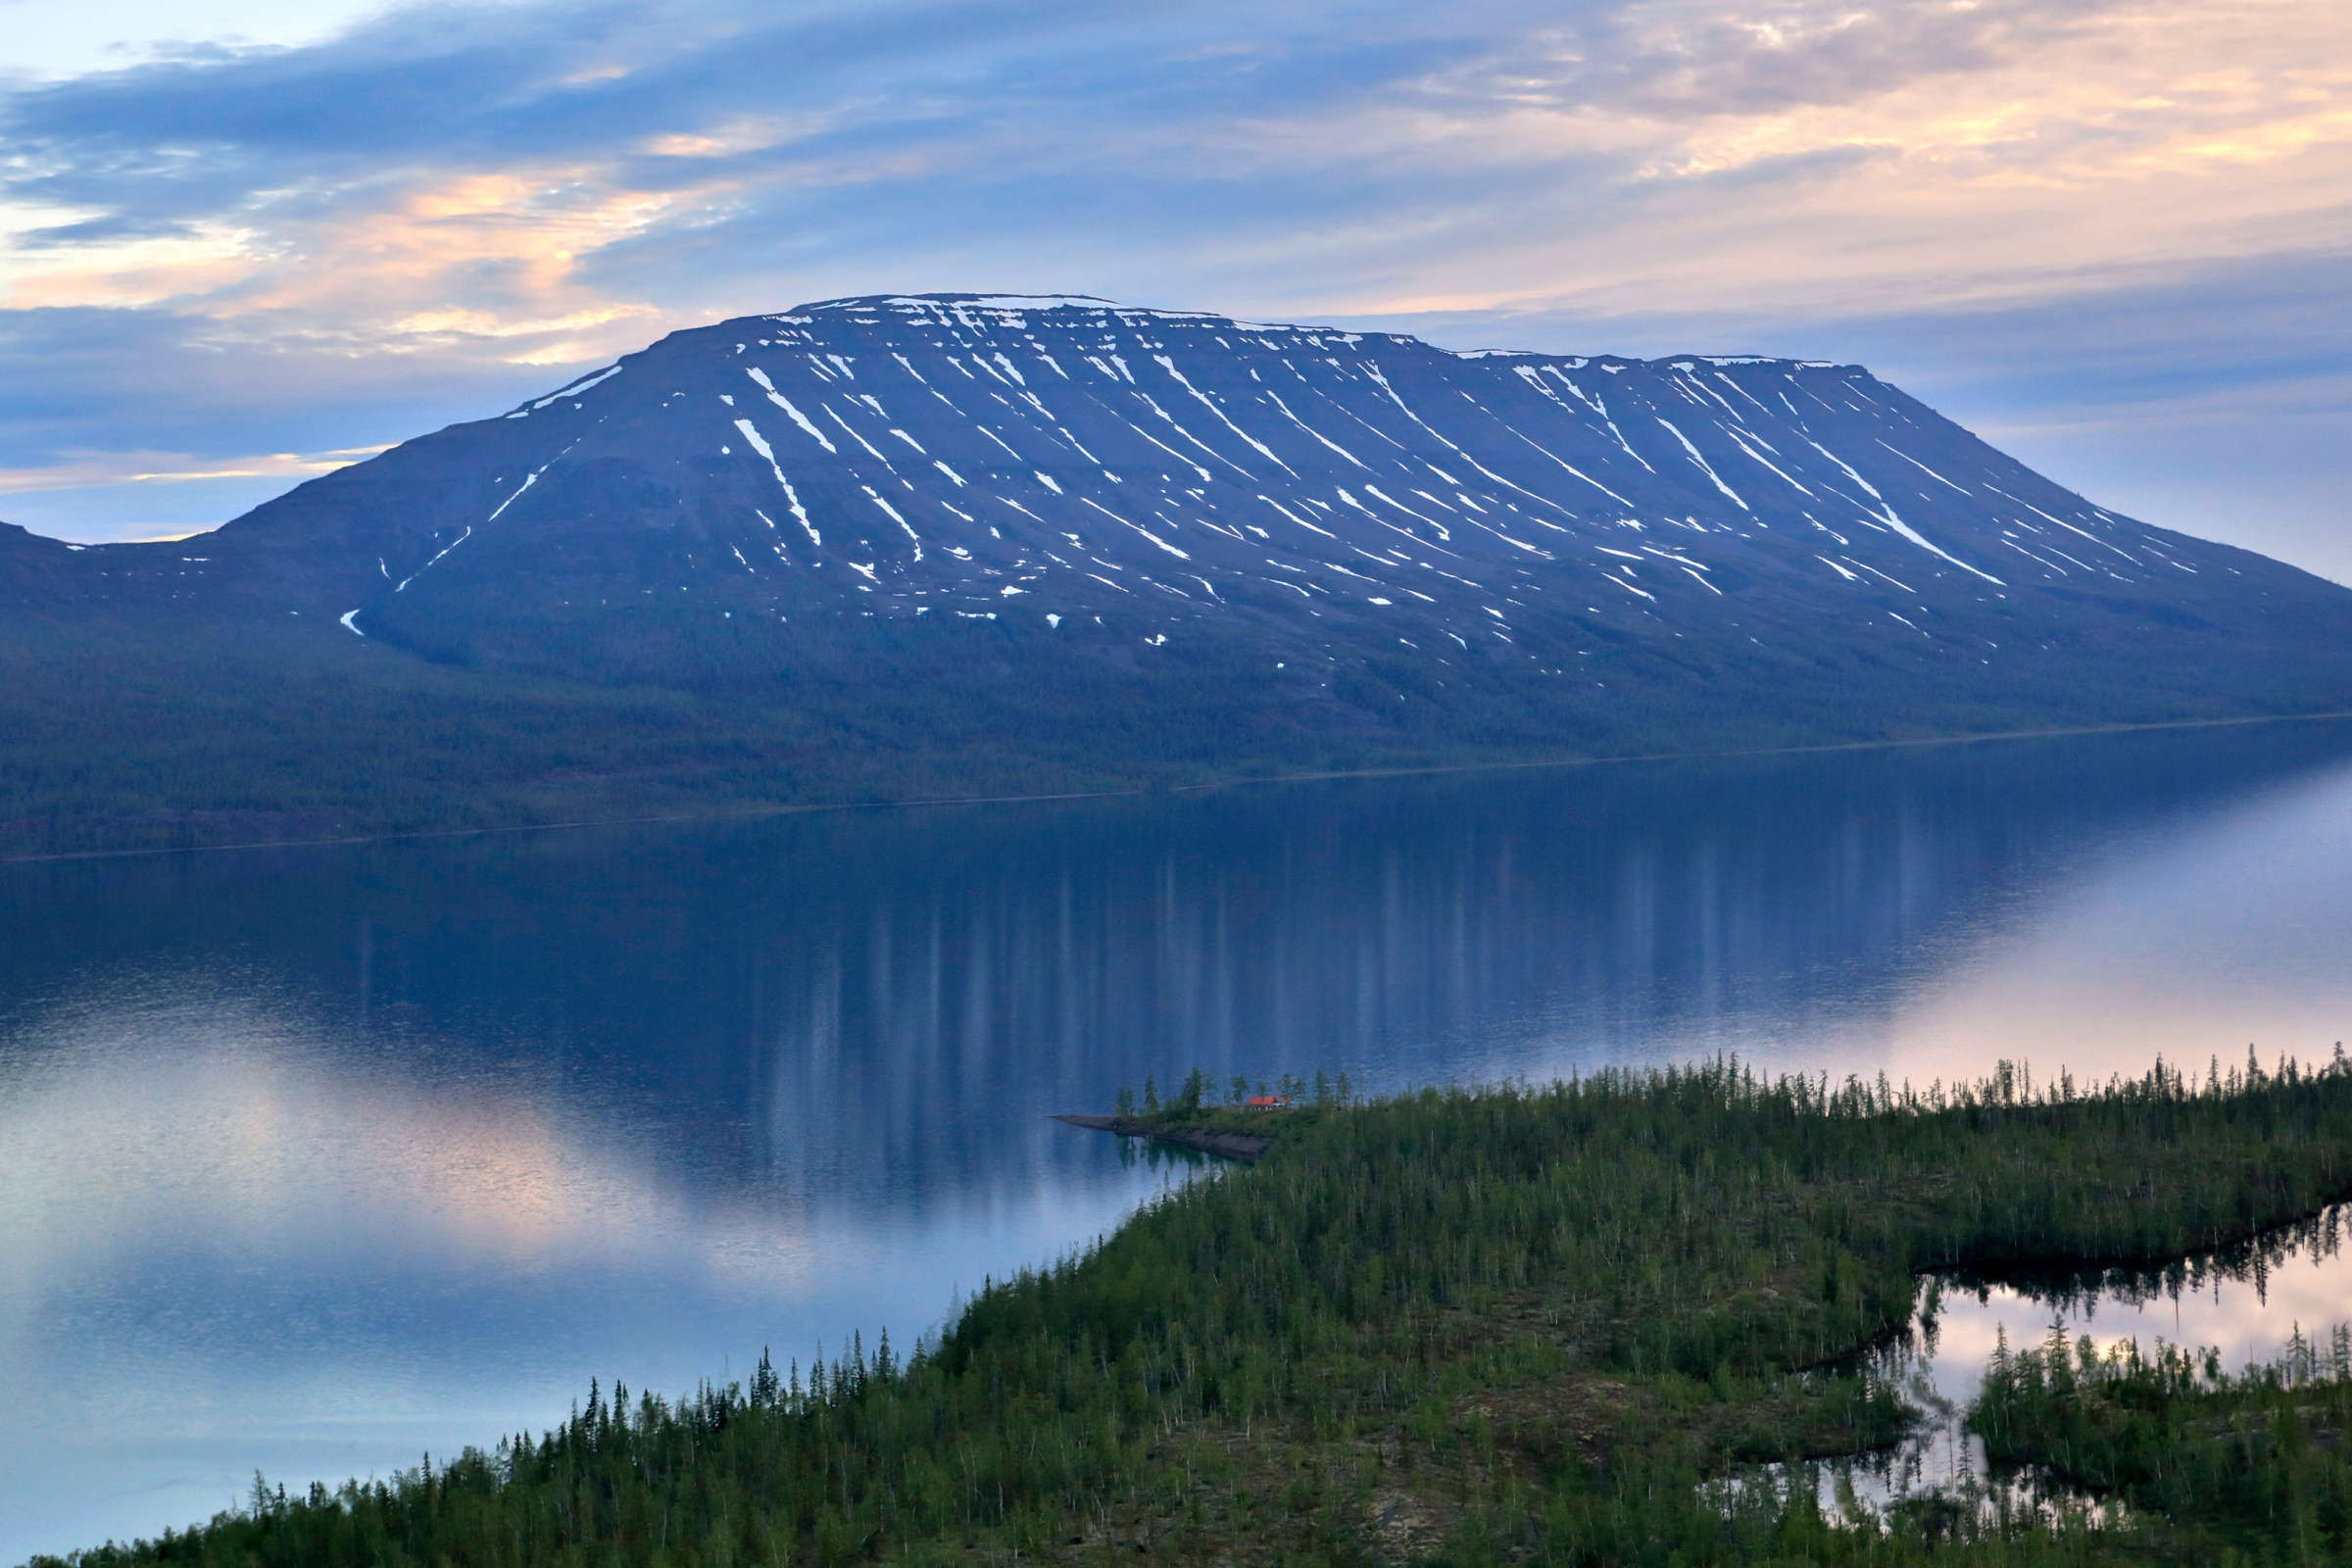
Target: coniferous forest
{"points": [[128, 738], [1579, 1323]]}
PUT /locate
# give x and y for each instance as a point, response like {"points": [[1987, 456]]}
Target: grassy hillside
{"points": [[1508, 1326]]}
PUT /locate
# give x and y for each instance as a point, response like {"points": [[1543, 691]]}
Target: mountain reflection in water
{"points": [[313, 1159]]}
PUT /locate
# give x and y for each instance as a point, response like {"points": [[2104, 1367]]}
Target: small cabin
{"points": [[1268, 1102]]}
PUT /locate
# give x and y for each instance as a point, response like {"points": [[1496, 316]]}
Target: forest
{"points": [[1519, 1324], [188, 733]]}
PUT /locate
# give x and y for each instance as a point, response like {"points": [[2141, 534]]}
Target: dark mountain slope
{"points": [[952, 542], [37, 575]]}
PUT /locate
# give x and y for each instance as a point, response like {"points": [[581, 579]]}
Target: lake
{"points": [[314, 1160]]}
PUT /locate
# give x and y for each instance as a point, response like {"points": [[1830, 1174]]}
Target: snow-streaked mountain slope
{"points": [[1139, 479]]}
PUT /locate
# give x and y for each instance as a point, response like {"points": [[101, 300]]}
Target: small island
{"points": [[1240, 1128]]}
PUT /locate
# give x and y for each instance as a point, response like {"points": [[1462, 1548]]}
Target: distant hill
{"points": [[890, 546]]}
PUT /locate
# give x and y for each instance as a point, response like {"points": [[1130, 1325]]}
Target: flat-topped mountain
{"points": [[1058, 459], [1321, 545]]}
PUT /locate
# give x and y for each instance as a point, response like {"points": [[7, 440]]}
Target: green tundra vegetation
{"points": [[1520, 1324]]}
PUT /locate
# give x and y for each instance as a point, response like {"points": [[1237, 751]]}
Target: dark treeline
{"points": [[127, 735], [1519, 1324]]}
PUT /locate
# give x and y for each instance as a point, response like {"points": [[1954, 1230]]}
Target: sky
{"points": [[244, 241]]}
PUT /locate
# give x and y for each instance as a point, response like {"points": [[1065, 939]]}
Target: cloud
{"points": [[84, 470], [475, 192], [518, 158], [157, 379], [118, 494], [128, 423], [47, 41]]}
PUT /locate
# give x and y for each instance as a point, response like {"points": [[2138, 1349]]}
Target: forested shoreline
{"points": [[122, 737], [1522, 1324]]}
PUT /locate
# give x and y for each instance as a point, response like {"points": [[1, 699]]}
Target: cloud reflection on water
{"points": [[2184, 944], [314, 1159]]}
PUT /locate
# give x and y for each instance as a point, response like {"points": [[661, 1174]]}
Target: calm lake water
{"points": [[2270, 1303], [314, 1160]]}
